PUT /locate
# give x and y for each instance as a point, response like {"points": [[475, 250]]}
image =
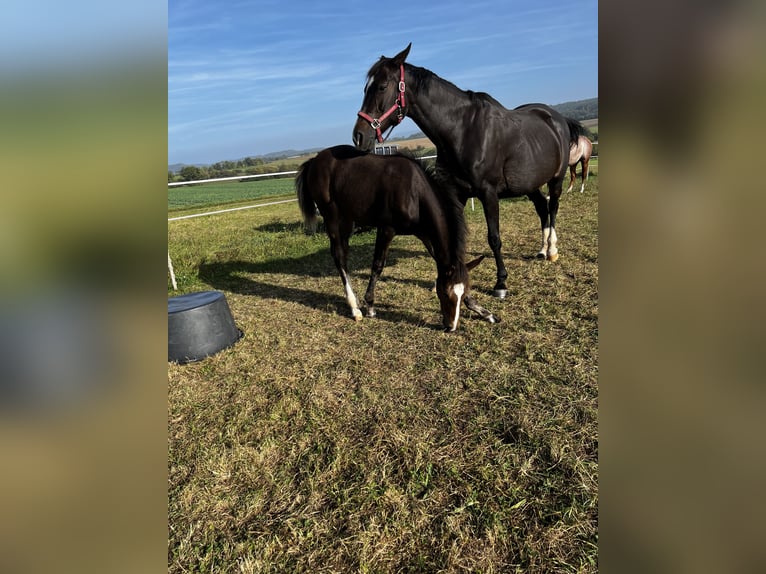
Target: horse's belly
{"points": [[523, 176], [513, 191]]}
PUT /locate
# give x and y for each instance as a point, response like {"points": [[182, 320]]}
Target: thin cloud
{"points": [[295, 71]]}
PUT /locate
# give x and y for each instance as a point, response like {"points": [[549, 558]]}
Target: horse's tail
{"points": [[576, 129], [305, 201]]}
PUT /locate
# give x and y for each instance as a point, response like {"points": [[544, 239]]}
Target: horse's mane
{"points": [[424, 79], [483, 97], [447, 196], [421, 77]]}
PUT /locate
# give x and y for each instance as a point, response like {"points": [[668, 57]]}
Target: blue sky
{"points": [[250, 77]]}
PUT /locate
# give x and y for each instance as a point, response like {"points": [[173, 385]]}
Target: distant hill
{"points": [[579, 110], [287, 153], [268, 157], [176, 167]]}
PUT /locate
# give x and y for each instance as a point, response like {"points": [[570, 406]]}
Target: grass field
{"points": [[318, 444], [186, 197]]}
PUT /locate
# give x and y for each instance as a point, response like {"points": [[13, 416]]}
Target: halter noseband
{"points": [[398, 107]]}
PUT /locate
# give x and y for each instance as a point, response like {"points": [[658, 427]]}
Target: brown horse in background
{"points": [[579, 153]]}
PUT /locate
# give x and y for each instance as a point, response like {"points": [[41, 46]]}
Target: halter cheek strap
{"points": [[397, 107]]}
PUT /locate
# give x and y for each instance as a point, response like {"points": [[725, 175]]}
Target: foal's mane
{"points": [[447, 197]]}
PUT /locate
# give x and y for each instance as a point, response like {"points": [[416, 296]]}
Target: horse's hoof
{"points": [[370, 313], [553, 257], [500, 293], [541, 255]]}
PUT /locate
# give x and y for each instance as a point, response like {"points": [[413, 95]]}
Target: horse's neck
{"points": [[434, 108], [442, 235]]}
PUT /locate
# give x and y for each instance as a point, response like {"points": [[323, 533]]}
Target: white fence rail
{"points": [[232, 178], [230, 209], [237, 177]]}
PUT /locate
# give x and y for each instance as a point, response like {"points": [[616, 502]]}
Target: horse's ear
{"points": [[401, 56], [474, 263]]}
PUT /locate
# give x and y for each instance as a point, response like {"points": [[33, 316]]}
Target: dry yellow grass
{"points": [[318, 444], [413, 143]]}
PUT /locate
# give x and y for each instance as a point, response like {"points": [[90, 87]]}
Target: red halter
{"points": [[398, 107]]}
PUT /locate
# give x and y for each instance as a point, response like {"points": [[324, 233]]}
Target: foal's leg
{"points": [[382, 242], [492, 215], [339, 250], [542, 208], [471, 303]]}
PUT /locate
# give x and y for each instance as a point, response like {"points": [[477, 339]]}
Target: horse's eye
{"points": [[382, 87]]}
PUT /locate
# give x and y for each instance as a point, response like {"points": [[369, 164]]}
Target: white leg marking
{"points": [[544, 248], [351, 299], [552, 239], [459, 290]]}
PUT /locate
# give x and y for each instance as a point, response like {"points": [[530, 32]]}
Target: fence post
{"points": [[172, 274]]}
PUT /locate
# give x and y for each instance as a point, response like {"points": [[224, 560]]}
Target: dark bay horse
{"points": [[487, 151], [579, 153], [394, 194]]}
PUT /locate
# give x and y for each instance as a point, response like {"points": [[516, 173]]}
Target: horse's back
{"points": [[532, 147], [368, 188], [537, 115]]}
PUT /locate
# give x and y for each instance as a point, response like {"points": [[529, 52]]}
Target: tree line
{"points": [[229, 168]]}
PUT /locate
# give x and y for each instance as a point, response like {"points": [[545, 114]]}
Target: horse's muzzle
{"points": [[363, 135], [361, 141]]}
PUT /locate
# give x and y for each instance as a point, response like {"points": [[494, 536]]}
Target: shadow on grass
{"points": [[298, 227], [250, 278]]}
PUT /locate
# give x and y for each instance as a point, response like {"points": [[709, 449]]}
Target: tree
{"points": [[191, 173]]}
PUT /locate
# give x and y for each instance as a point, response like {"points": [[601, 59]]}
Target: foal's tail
{"points": [[305, 201], [576, 129]]}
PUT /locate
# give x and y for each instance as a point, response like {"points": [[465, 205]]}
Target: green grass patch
{"points": [[319, 444], [224, 193]]}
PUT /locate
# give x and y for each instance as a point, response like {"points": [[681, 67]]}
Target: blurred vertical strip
{"points": [[682, 451], [83, 402]]}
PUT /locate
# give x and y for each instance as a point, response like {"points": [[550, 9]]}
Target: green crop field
{"points": [[321, 444], [223, 193], [211, 195]]}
